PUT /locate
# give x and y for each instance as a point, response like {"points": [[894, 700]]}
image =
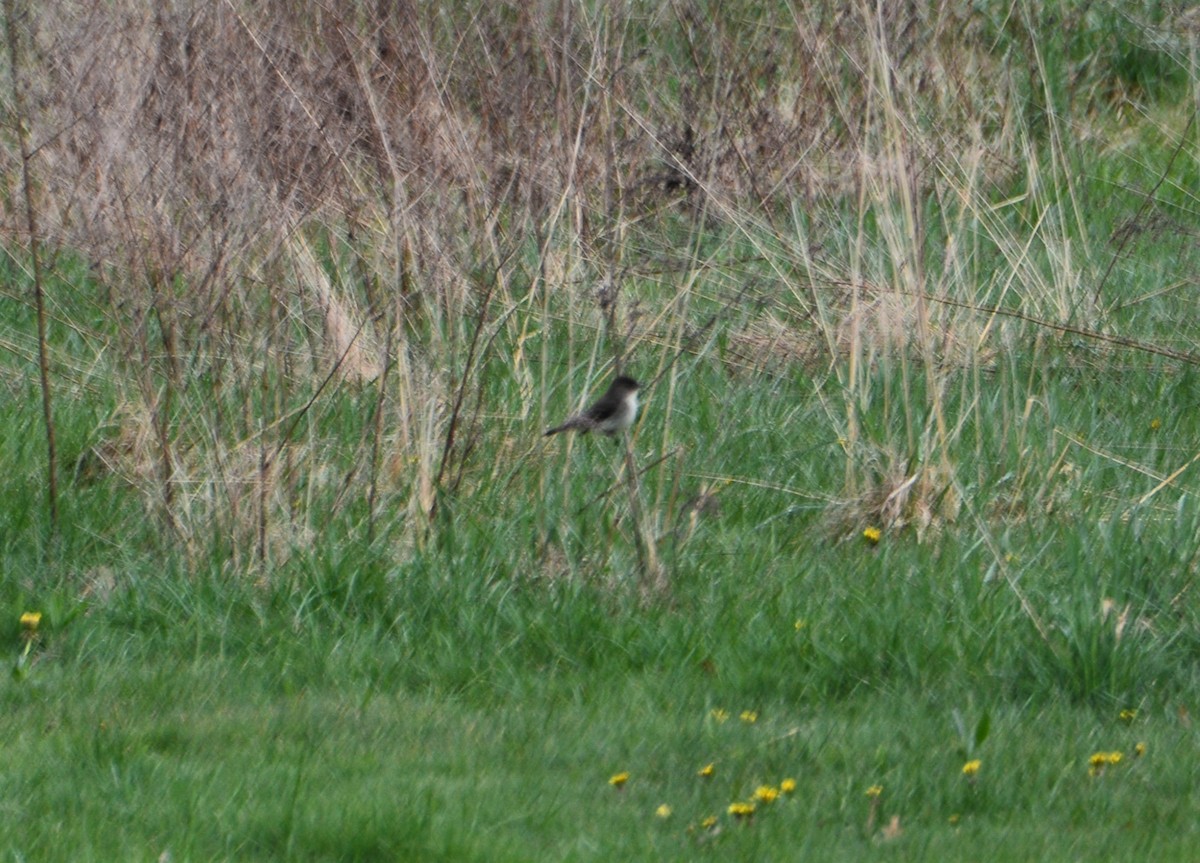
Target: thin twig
{"points": [[461, 393], [654, 580], [1145, 203], [1121, 341], [641, 472], [21, 120], [299, 415]]}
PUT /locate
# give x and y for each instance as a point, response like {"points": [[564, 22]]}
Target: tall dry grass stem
{"points": [[16, 62], [653, 575]]}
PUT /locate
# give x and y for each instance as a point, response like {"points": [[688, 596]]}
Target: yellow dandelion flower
{"points": [[618, 779], [707, 771], [719, 714], [787, 786], [971, 767], [1127, 716], [766, 794], [799, 624], [663, 811], [30, 620], [872, 535], [1100, 760], [1139, 750], [741, 810], [874, 790], [709, 823], [750, 716], [1155, 424]]}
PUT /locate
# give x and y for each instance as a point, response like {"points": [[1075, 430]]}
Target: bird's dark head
{"points": [[626, 384]]}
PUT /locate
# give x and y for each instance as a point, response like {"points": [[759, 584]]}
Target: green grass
{"points": [[448, 708], [483, 723], [470, 700]]}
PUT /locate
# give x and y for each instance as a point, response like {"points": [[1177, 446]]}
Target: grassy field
{"points": [[899, 561]]}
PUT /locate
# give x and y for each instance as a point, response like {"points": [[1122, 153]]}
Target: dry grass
{"points": [[279, 201]]}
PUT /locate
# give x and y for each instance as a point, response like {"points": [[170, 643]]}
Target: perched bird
{"points": [[614, 412]]}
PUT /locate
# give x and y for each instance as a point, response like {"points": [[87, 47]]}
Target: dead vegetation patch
{"points": [[282, 200]]}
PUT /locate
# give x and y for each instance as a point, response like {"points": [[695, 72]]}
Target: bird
{"points": [[613, 412]]}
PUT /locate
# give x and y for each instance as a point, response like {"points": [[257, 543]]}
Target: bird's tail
{"points": [[574, 423]]}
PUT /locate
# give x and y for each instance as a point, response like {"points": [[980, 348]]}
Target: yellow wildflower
{"points": [[1128, 716], [787, 786], [741, 810], [872, 535], [971, 767], [874, 790], [799, 624], [766, 794], [707, 771], [750, 716], [709, 823], [618, 779], [663, 811], [719, 714], [1139, 750], [30, 620], [1100, 760], [1155, 424], [954, 819]]}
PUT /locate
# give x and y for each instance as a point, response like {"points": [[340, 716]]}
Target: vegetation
{"points": [[899, 560]]}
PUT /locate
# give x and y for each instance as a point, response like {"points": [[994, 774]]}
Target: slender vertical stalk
{"points": [[268, 412], [460, 395], [654, 580], [14, 60], [377, 431], [165, 401]]}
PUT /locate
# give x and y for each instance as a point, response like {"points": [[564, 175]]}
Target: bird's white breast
{"points": [[630, 412]]}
